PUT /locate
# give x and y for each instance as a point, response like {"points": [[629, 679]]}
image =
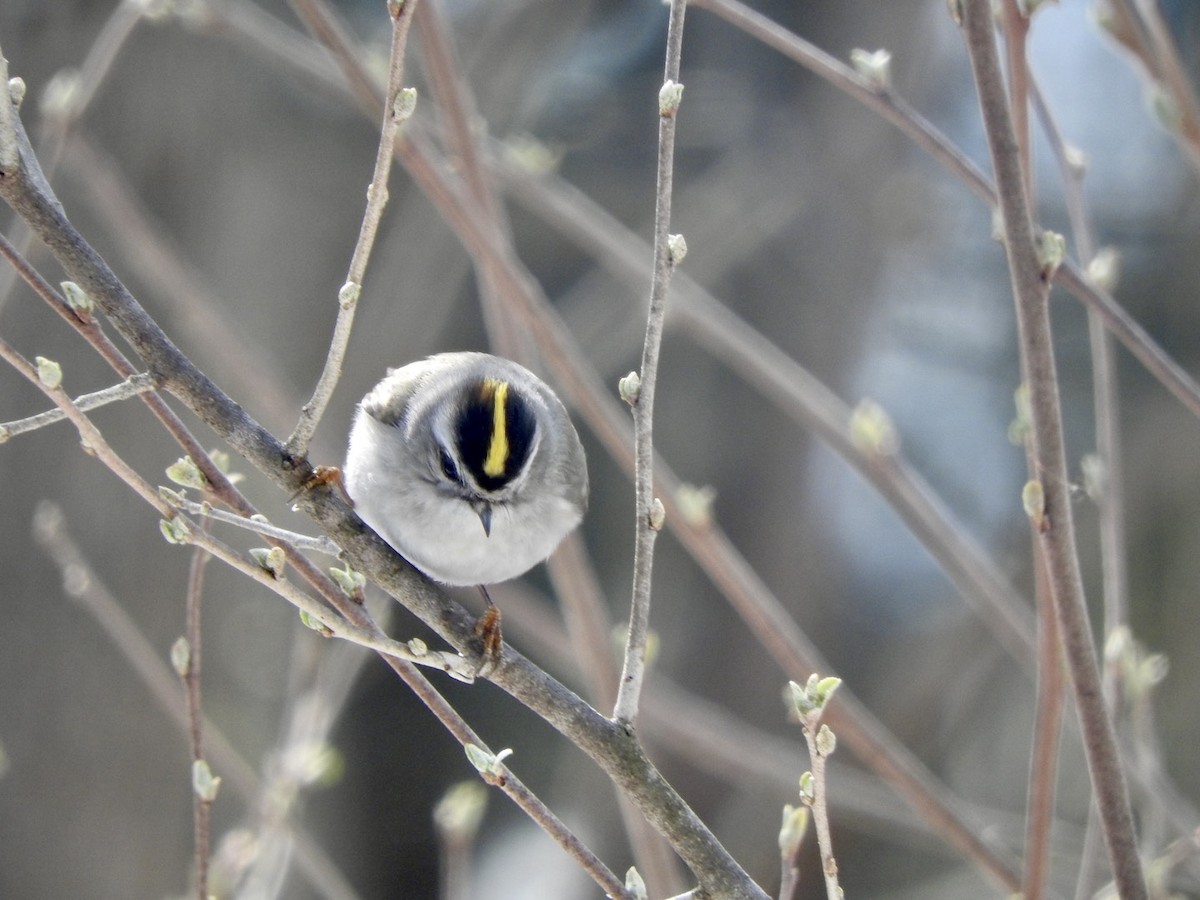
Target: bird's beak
{"points": [[484, 511]]}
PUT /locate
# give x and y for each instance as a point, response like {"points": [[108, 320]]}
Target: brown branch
{"points": [[1031, 291], [609, 745], [192, 674], [893, 109]]}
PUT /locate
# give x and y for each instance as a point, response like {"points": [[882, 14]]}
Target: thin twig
{"points": [[810, 702], [82, 585], [11, 95], [503, 778], [894, 110], [96, 444], [1173, 78], [729, 571], [1049, 701], [706, 858], [192, 674], [75, 88], [248, 366], [648, 523], [1047, 734], [93, 441], [1109, 495], [1031, 290], [318, 544], [799, 394], [603, 740], [589, 638], [397, 110], [462, 125], [414, 652], [87, 325], [1016, 34], [130, 387]]}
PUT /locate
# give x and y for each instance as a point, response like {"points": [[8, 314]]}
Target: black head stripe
{"points": [[496, 429]]}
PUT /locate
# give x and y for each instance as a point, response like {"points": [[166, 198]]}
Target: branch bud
{"points": [[669, 97], [875, 68]]}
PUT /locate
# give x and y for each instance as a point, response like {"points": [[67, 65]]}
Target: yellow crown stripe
{"points": [[497, 455]]}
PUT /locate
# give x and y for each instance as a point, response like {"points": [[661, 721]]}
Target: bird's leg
{"points": [[487, 629]]}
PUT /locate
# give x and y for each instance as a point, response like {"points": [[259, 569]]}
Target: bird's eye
{"points": [[449, 469]]}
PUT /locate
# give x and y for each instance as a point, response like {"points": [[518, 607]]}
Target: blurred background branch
{"points": [[871, 273]]}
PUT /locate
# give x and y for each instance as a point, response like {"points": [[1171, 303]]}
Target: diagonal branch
{"points": [[609, 745]]}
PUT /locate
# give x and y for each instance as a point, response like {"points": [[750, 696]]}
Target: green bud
{"points": [[658, 515], [872, 431], [315, 762], [676, 248], [405, 104], [791, 832], [1051, 251], [825, 740], [1118, 644], [16, 91], [875, 68], [273, 560], [77, 298], [348, 294], [175, 531], [350, 581], [489, 765], [1094, 478], [669, 97], [1076, 160], [1164, 108], [808, 791], [1152, 670], [204, 782], [635, 885], [181, 657], [630, 387], [531, 155], [49, 372], [1104, 269], [186, 473], [1033, 499], [61, 94], [814, 695]]}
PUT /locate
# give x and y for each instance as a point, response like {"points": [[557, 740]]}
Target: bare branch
{"points": [[398, 108], [648, 523], [191, 671], [81, 584], [1031, 290], [131, 387], [894, 110]]}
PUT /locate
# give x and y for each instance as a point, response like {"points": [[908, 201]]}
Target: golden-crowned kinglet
{"points": [[468, 465]]}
